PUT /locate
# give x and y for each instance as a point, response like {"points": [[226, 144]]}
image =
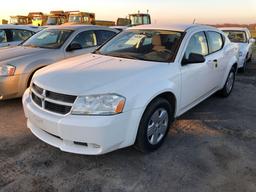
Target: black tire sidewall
{"points": [[225, 92], [142, 142]]}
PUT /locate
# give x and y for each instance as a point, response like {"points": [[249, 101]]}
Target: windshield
{"points": [[14, 21], [148, 45], [136, 20], [52, 21], [74, 19], [49, 38], [236, 36]]}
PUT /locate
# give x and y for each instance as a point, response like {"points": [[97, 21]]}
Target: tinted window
{"points": [[197, 44], [215, 41], [86, 39], [3, 38], [149, 45], [103, 36], [20, 35]]}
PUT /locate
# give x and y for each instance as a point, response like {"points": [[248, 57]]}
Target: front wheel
{"points": [[154, 125], [228, 87]]}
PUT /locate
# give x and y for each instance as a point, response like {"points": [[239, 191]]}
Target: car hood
{"points": [[81, 74], [20, 52]]}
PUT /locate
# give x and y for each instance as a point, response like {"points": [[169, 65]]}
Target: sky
{"points": [[162, 11]]}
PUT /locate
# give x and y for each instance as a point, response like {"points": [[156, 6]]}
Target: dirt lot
{"points": [[210, 148]]}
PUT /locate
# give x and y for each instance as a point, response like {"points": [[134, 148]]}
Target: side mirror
{"points": [[193, 59], [252, 41], [73, 47]]}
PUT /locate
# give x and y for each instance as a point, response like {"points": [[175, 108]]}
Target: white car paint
{"points": [[245, 49], [16, 27], [136, 80]]}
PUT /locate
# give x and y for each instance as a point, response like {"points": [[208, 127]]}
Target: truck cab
{"points": [[38, 18], [19, 20], [77, 17], [140, 19], [56, 18]]}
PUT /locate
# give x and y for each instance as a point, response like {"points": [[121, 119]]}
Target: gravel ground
{"points": [[210, 148]]}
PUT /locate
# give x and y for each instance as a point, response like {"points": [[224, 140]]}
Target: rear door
{"points": [[103, 36], [199, 79], [216, 58]]}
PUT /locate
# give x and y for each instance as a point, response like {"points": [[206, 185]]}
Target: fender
{"points": [[231, 63], [145, 98]]}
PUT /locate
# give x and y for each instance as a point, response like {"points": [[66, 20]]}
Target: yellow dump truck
{"points": [[105, 23], [38, 18], [20, 20], [56, 18], [3, 21], [123, 22], [77, 17]]}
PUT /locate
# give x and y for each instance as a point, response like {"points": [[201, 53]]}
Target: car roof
{"points": [[233, 28], [26, 27], [78, 27], [172, 27]]}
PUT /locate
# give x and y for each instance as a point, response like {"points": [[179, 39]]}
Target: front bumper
{"points": [[12, 86], [89, 135]]}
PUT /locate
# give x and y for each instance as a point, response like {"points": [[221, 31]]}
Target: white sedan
{"points": [[243, 38], [130, 90], [12, 35]]}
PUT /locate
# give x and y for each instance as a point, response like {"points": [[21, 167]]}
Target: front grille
{"points": [[51, 101], [56, 108]]}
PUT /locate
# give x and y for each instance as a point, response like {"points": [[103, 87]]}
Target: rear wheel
{"points": [[154, 125], [228, 87]]}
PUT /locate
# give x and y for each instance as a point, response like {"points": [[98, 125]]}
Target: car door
{"points": [[216, 58], [87, 41], [198, 79], [17, 36], [3, 38]]}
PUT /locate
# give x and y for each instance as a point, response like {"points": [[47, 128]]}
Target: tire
{"points": [[243, 69], [229, 84], [154, 125]]}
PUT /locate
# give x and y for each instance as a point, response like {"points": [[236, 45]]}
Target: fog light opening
{"points": [[81, 143]]}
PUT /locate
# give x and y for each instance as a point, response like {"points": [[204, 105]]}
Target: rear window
{"points": [[236, 36]]}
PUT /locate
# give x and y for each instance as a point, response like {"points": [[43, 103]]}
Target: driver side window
{"points": [[197, 45], [85, 39]]}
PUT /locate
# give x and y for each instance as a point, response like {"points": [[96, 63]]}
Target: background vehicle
{"points": [[132, 88], [77, 17], [18, 64], [20, 20], [243, 38], [38, 18], [3, 21], [12, 35], [140, 19], [56, 18], [123, 22], [104, 23]]}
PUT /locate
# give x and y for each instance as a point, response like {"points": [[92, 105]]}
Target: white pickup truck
{"points": [[131, 89], [243, 38]]}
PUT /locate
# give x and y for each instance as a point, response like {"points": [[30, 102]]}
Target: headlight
{"points": [[107, 104], [7, 70]]}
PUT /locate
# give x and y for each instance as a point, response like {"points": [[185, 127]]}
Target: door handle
{"points": [[215, 62]]}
